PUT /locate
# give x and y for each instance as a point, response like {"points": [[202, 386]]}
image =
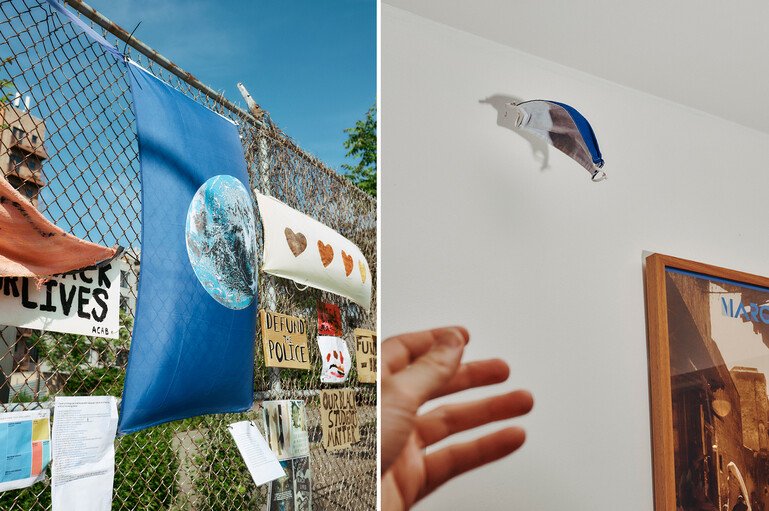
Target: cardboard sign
{"points": [[284, 339], [365, 355], [329, 320], [339, 419], [336, 359], [84, 303]]}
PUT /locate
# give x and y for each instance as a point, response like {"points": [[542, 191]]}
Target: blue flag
{"points": [[192, 351]]}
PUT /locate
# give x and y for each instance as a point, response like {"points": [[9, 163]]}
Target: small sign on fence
{"points": [[339, 418], [335, 357], [365, 355], [84, 303], [26, 448], [284, 339]]}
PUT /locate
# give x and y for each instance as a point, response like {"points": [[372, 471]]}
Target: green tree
{"points": [[361, 143], [5, 84], [70, 354], [223, 482]]}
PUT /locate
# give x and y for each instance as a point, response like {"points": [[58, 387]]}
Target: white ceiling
{"points": [[712, 56]]}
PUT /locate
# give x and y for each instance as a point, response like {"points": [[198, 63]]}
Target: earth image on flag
{"points": [[221, 241]]}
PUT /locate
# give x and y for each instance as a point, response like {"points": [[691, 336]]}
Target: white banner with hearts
{"points": [[304, 250]]}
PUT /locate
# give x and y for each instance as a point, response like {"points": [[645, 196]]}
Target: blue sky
{"points": [[310, 63]]}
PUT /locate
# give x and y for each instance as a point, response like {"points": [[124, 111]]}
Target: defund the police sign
{"points": [[285, 340], [84, 303]]}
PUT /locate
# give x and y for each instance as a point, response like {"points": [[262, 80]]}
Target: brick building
{"points": [[22, 153]]}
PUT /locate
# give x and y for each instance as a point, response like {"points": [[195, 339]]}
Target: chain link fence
{"points": [[87, 182]]}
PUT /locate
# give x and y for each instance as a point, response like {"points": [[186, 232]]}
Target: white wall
{"points": [[544, 266]]}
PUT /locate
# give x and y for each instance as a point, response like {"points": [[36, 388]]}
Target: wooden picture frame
{"points": [[709, 406]]}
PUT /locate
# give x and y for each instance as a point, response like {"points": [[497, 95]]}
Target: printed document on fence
{"points": [[25, 448], [260, 460], [83, 453]]}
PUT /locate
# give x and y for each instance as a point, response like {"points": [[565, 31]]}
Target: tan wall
{"points": [[729, 442], [34, 128], [29, 177], [694, 294], [751, 385]]}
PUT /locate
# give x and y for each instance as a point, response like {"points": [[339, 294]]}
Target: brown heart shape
{"points": [[326, 253], [347, 259], [296, 241]]}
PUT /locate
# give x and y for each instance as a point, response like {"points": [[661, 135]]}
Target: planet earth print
{"points": [[221, 241]]}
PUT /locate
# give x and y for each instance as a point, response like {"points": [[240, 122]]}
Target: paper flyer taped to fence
{"points": [[25, 448], [83, 303], [260, 460], [83, 467]]}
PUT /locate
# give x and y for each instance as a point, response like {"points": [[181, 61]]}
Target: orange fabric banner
{"points": [[31, 246]]}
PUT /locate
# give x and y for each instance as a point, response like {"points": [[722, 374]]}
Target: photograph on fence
{"points": [[285, 425], [709, 361]]}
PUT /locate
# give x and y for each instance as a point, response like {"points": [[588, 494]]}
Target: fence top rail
{"points": [[96, 17]]}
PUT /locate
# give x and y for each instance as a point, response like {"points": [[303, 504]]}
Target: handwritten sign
{"points": [[84, 303], [365, 355], [335, 357], [339, 418], [284, 339]]}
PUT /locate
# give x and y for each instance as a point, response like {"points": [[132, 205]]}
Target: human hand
{"points": [[422, 366]]}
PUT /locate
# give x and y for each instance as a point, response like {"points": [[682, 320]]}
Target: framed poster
{"points": [[708, 333]]}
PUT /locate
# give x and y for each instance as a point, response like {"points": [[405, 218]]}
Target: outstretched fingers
{"points": [[447, 420], [457, 459], [475, 374]]}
